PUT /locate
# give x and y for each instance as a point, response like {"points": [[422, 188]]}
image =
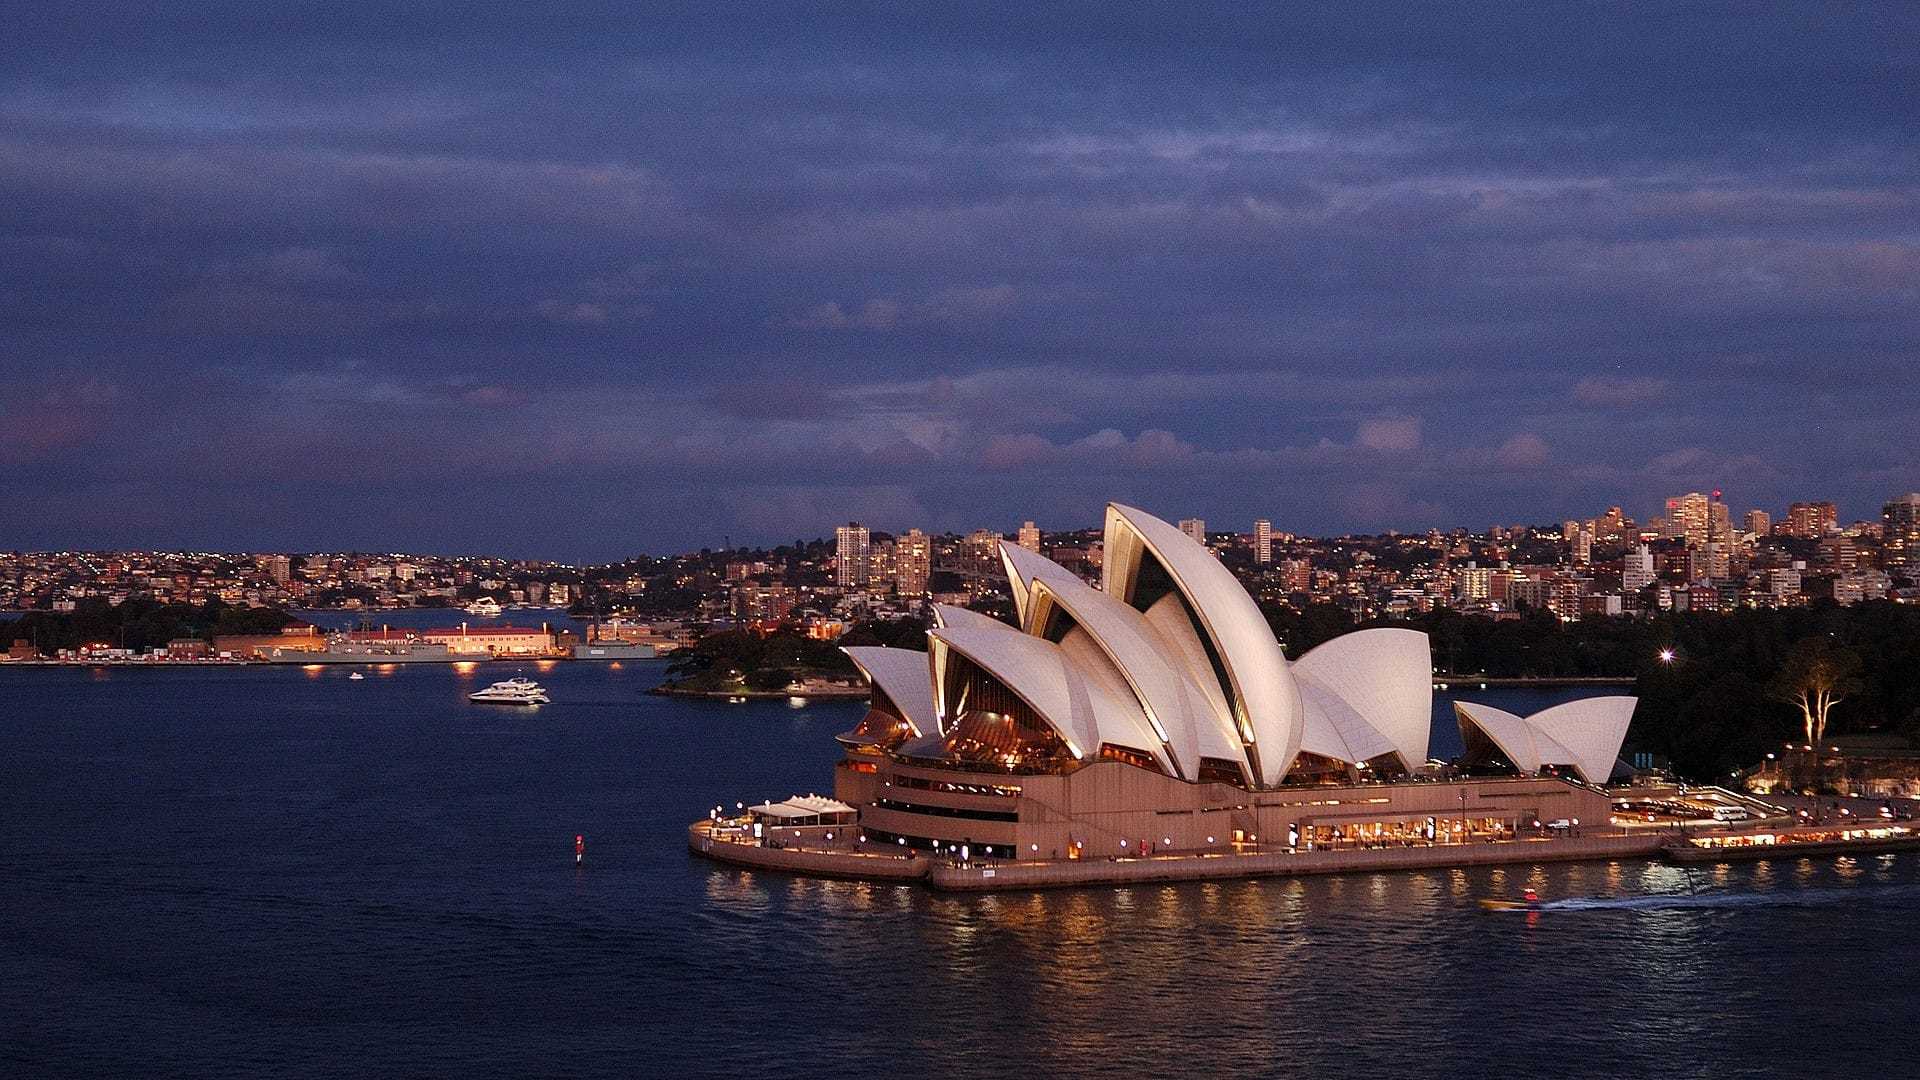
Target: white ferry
{"points": [[514, 691]]}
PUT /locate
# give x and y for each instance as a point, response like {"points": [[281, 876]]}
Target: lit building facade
{"points": [[1811, 520], [852, 543], [912, 564], [1900, 535]]}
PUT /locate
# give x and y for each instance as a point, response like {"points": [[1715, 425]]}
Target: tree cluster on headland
{"points": [[1717, 691], [139, 623], [740, 659]]}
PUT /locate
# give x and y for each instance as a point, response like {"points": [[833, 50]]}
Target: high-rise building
{"points": [[1811, 520], [280, 568], [1900, 534], [1029, 536], [1196, 528], [1473, 584], [1689, 518], [1563, 595], [1583, 546], [851, 544], [1262, 542], [1759, 522], [1296, 575], [1636, 570], [1719, 561], [912, 564], [879, 565], [1719, 523], [1611, 527], [1837, 553]]}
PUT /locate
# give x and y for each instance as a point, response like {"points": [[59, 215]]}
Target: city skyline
{"points": [[1806, 518], [1689, 559], [647, 281]]}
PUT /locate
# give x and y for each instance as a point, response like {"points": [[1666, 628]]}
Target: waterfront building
{"points": [[1159, 710], [850, 544], [472, 640]]}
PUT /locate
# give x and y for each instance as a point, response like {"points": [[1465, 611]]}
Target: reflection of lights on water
{"points": [[465, 667], [615, 666], [385, 669], [796, 703], [545, 665], [313, 670]]}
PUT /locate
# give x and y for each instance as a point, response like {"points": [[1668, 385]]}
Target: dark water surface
{"points": [[266, 871]]}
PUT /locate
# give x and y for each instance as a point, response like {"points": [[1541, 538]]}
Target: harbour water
{"points": [[248, 871]]}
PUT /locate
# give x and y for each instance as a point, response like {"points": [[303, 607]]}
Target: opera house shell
{"points": [[1159, 710]]}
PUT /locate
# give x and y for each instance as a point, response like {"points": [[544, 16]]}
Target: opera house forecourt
{"points": [[1152, 729]]}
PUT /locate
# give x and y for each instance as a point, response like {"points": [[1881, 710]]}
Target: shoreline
{"points": [[1489, 682], [979, 876], [848, 694], [486, 658]]}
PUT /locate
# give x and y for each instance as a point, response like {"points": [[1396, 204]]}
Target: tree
{"points": [[1814, 678]]}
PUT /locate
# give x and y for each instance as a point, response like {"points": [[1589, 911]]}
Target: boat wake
{"points": [[1780, 898]]}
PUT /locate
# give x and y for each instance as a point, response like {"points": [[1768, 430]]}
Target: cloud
{"points": [[1389, 434], [957, 308], [1523, 451], [1388, 505], [977, 263]]}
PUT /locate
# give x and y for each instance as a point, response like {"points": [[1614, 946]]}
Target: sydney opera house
{"points": [[1157, 713]]}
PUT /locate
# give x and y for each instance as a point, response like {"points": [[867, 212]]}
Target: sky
{"points": [[638, 278]]}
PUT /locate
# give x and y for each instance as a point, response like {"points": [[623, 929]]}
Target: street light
{"points": [[1666, 656]]}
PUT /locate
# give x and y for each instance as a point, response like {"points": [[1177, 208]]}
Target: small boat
{"points": [[356, 677], [486, 607], [1529, 901], [514, 691]]}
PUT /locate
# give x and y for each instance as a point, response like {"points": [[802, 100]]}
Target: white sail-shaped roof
{"points": [[904, 676], [1585, 735], [1592, 730], [1064, 684], [1178, 710], [1368, 693], [947, 615], [1265, 703], [1333, 728]]}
